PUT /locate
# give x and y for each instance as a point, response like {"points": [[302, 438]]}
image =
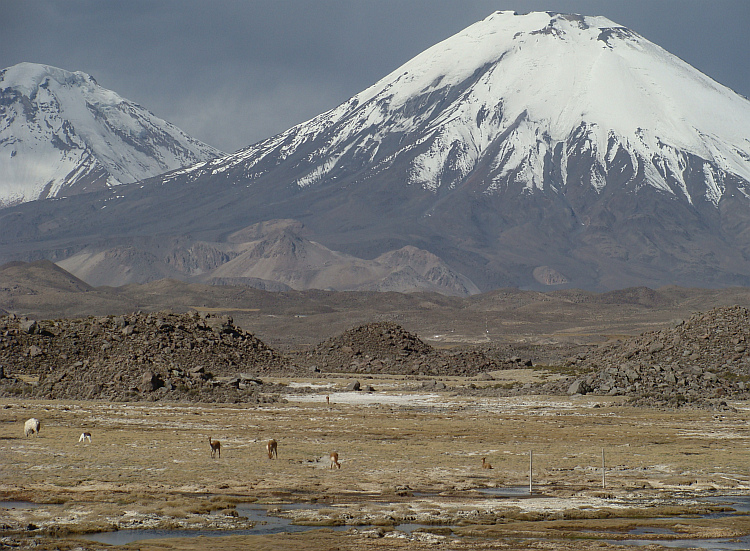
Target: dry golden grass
{"points": [[417, 459]]}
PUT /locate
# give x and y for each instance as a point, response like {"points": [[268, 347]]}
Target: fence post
{"points": [[531, 469], [604, 471]]}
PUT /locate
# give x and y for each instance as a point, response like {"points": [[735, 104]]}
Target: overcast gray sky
{"points": [[231, 73]]}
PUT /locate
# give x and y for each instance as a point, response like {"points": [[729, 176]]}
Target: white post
{"points": [[531, 469]]}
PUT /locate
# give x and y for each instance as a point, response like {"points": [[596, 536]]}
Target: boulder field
{"points": [[700, 361]]}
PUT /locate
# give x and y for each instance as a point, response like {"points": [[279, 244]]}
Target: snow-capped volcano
{"points": [[515, 97], [61, 133], [527, 150]]}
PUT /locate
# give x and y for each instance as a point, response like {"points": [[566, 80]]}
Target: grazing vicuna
{"points": [[335, 460], [215, 447], [32, 426], [485, 465], [84, 436], [272, 449]]}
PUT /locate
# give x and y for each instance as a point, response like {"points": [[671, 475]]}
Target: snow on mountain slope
{"points": [[527, 150], [519, 96], [62, 133]]}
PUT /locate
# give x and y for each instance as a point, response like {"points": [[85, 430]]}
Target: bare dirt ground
{"points": [[407, 458]]}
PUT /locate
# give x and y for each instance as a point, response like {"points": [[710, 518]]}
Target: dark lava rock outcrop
{"points": [[165, 356], [386, 347], [701, 360], [158, 356]]}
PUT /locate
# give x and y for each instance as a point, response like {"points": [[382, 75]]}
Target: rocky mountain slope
{"points": [[62, 134], [167, 356], [538, 150], [702, 361]]}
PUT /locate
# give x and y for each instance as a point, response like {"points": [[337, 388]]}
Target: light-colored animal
{"points": [[32, 426], [272, 449], [335, 460], [485, 465], [84, 436], [215, 447]]}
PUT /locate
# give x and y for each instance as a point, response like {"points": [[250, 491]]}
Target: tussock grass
{"points": [[150, 465]]}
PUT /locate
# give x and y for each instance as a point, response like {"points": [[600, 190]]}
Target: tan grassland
{"points": [[406, 458]]}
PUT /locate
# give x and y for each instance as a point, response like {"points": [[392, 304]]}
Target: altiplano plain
{"points": [[407, 458], [410, 442]]}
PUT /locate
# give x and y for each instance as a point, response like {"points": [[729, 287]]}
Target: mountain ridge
{"points": [[562, 151], [61, 134], [429, 74], [272, 255]]}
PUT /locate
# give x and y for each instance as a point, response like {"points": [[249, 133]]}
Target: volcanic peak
{"points": [[515, 101], [62, 134]]}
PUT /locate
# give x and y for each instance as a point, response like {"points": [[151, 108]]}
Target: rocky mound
{"points": [[386, 347], [386, 341], [158, 356], [704, 358]]}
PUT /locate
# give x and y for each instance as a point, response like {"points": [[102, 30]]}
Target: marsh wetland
{"points": [[411, 472]]}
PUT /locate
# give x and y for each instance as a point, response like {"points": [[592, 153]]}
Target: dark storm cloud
{"points": [[231, 73]]}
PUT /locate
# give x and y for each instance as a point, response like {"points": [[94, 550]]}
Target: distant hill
{"points": [[271, 256]]}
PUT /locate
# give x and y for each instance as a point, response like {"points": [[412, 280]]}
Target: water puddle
{"points": [[254, 512], [123, 537], [716, 544], [507, 491], [649, 530], [18, 505], [265, 523], [257, 513], [740, 504]]}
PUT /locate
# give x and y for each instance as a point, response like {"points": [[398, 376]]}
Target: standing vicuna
{"points": [[272, 449], [215, 447], [335, 460], [32, 426]]}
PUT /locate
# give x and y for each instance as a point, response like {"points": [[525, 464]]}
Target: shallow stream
{"points": [[267, 524]]}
